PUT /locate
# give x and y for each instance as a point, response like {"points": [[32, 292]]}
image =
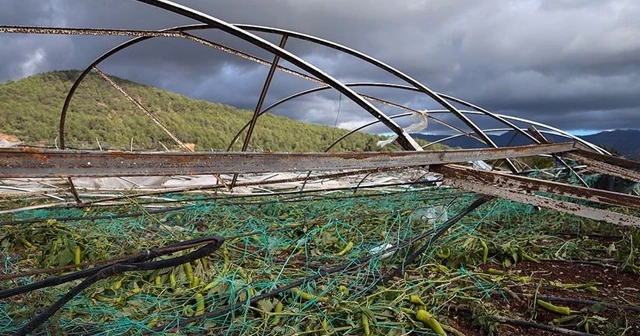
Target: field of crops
{"points": [[382, 262]]}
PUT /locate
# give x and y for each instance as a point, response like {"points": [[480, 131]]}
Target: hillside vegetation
{"points": [[30, 110]]}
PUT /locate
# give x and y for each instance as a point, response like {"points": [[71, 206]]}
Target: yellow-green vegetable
{"points": [[225, 256], [195, 281], [407, 311], [153, 322], [442, 268], [577, 286], [306, 295], [243, 273], [565, 319], [212, 284], [199, 304], [528, 257], [444, 253], [135, 289], [428, 320], [553, 308], [107, 299], [188, 271], [485, 251], [346, 249], [344, 290], [77, 255], [116, 285], [325, 325], [205, 264], [279, 308], [416, 300], [26, 243], [494, 271], [365, 324], [172, 279]]}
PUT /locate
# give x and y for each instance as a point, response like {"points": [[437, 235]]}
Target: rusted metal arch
{"points": [[88, 69], [177, 29], [323, 88], [409, 88], [182, 29], [216, 23], [404, 138], [480, 109], [486, 130], [383, 66], [314, 40]]}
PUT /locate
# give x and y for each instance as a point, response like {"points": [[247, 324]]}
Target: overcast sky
{"points": [[574, 64]]}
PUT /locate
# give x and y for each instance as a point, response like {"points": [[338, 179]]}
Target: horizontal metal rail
{"points": [[29, 162], [515, 191], [609, 165], [530, 185]]}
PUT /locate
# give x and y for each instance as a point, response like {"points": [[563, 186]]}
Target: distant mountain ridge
{"points": [[625, 142]]}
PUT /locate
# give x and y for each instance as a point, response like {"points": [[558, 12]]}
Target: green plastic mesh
{"points": [[286, 240]]}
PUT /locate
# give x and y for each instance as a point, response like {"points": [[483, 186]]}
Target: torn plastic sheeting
{"points": [[416, 127]]}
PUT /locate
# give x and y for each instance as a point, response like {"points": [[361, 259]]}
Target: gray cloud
{"points": [[574, 64]]}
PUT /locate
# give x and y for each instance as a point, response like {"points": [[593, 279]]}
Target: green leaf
{"points": [[266, 305]]}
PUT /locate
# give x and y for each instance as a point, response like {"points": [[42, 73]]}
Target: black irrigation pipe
{"points": [[141, 262], [112, 260], [353, 265]]}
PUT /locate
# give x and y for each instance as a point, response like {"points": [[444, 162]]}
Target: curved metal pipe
{"points": [[312, 39], [486, 130], [404, 138], [399, 74], [500, 117], [87, 70], [259, 42], [323, 88]]}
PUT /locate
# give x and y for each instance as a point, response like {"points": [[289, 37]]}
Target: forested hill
{"points": [[30, 110]]}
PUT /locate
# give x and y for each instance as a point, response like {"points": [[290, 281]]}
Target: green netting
{"points": [[286, 240]]}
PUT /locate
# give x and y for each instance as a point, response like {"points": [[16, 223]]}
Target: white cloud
{"points": [[33, 63]]}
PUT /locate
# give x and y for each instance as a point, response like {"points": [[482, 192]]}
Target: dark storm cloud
{"points": [[574, 64]]}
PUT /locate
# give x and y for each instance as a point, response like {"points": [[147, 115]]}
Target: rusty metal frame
{"points": [[179, 31], [530, 185], [520, 190], [148, 34], [33, 163], [404, 138], [602, 164], [21, 163], [263, 95]]}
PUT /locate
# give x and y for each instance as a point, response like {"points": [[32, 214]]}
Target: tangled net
{"points": [[301, 264]]}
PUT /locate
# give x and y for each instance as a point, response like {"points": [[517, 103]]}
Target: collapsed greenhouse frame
{"points": [[448, 165]]}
